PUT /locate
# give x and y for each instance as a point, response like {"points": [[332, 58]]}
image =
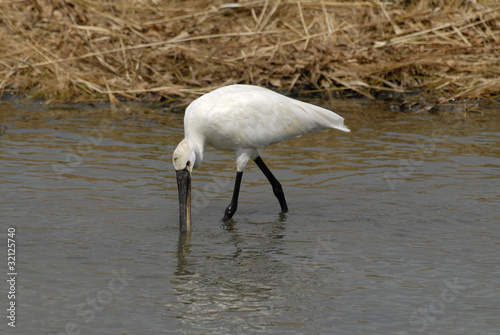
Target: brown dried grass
{"points": [[73, 50]]}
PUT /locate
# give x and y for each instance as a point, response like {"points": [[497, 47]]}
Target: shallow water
{"points": [[393, 228]]}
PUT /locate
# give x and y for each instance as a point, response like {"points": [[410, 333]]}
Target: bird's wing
{"points": [[254, 117]]}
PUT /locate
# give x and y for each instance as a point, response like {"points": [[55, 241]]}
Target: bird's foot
{"points": [[228, 214]]}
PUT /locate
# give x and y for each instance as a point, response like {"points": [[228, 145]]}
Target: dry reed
{"points": [[74, 50]]}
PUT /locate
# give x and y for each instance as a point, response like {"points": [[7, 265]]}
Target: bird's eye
{"points": [[188, 163]]}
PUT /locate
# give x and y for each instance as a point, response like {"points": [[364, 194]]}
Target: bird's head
{"points": [[183, 159], [184, 156]]}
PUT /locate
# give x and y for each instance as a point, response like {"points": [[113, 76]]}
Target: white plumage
{"points": [[244, 118]]}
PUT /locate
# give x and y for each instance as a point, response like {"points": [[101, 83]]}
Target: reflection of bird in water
{"points": [[242, 118]]}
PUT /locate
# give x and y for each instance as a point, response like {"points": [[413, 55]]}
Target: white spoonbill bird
{"points": [[242, 118]]}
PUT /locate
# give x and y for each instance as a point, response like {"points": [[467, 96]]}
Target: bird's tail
{"points": [[340, 126], [331, 119]]}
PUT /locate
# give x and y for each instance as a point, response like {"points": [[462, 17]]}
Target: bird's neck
{"points": [[198, 146]]}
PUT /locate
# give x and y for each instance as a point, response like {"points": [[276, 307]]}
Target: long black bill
{"points": [[184, 186]]}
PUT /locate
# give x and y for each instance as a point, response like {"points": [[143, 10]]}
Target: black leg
{"points": [[233, 206], [277, 189]]}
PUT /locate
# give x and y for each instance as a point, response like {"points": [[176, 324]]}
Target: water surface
{"points": [[393, 228]]}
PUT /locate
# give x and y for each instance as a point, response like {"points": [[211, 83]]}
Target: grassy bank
{"points": [[78, 50]]}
